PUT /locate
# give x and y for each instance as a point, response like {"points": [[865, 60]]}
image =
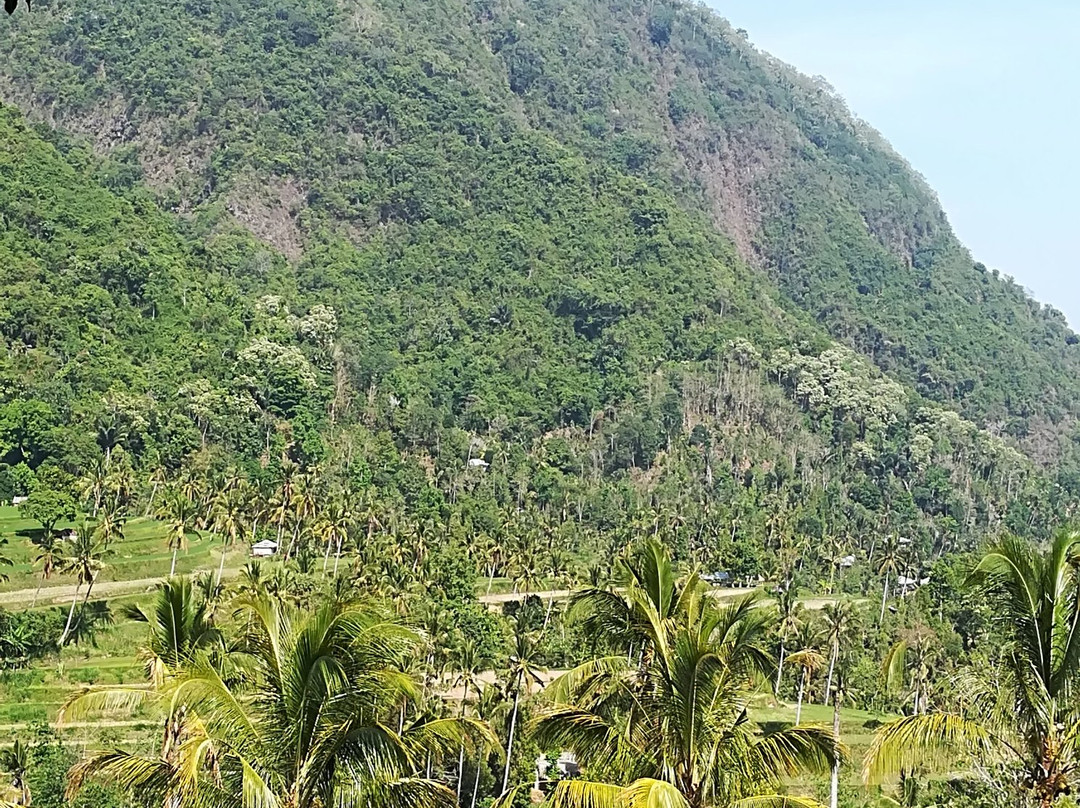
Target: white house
{"points": [[264, 548]]}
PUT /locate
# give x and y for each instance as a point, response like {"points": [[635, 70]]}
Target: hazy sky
{"points": [[982, 98]]}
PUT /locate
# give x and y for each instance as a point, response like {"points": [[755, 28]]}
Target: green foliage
{"points": [[47, 507]]}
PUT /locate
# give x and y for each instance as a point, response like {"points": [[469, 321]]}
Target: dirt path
{"points": [[815, 603], [511, 597], [62, 594]]}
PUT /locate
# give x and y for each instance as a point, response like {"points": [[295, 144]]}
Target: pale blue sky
{"points": [[982, 98]]}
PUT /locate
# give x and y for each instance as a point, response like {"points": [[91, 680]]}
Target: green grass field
{"points": [[141, 554], [36, 694]]}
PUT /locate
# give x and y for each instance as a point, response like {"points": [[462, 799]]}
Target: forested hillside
{"points": [[398, 398], [639, 269]]}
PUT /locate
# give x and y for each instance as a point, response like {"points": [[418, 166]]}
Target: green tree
{"points": [[179, 515], [303, 718], [840, 619], [333, 528], [521, 674], [670, 728], [888, 566], [14, 762], [1028, 716], [83, 560], [110, 526], [50, 556], [178, 628], [227, 521], [47, 507]]}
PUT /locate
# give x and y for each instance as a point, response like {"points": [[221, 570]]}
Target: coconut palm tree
{"points": [[808, 660], [1028, 720], [110, 526], [14, 762], [834, 777], [50, 556], [157, 479], [179, 515], [521, 674], [227, 520], [840, 618], [302, 716], [179, 626], [671, 728], [333, 528], [790, 617], [469, 666], [84, 562], [888, 566], [912, 659]]}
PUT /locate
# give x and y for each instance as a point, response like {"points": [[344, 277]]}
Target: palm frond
{"points": [[775, 801], [650, 793], [577, 683], [919, 739], [892, 668], [149, 778], [588, 735], [792, 750], [96, 700], [443, 737], [407, 792], [584, 794], [254, 790]]}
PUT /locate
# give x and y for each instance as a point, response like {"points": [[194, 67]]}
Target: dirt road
{"points": [[62, 594]]}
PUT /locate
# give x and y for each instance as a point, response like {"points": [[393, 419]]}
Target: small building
{"points": [[567, 764], [906, 584], [718, 578], [566, 767], [847, 561], [264, 548], [478, 463], [17, 501]]}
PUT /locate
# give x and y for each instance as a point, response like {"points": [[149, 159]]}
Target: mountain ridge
{"points": [[492, 223]]}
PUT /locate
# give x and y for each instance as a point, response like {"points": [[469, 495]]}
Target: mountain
{"points": [[633, 263]]}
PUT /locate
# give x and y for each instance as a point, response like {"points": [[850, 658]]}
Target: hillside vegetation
{"points": [[455, 298], [609, 248]]}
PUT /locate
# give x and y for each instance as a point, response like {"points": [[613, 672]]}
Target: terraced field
{"points": [[141, 554]]}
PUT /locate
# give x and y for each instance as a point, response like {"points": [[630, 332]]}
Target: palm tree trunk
{"points": [[547, 616], [172, 567], [326, 555], [71, 614], [510, 741], [780, 666], [884, 595], [798, 708], [832, 665], [337, 555], [461, 753], [476, 782], [834, 784], [221, 564], [37, 591]]}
